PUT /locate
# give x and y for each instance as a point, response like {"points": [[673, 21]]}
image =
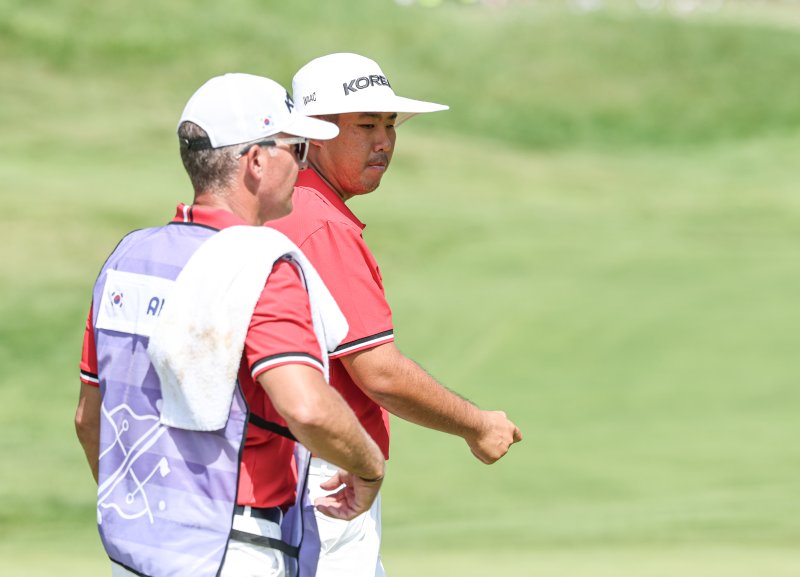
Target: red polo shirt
{"points": [[330, 236], [280, 327]]}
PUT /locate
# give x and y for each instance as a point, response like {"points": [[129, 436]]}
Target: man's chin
{"points": [[370, 186]]}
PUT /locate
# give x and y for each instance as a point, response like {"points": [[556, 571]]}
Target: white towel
{"points": [[197, 343]]}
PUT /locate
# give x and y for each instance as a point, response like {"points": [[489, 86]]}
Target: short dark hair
{"points": [[211, 169]]}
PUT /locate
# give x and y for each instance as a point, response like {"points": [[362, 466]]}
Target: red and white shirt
{"points": [[330, 235], [280, 332]]}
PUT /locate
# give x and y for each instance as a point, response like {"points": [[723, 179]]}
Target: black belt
{"points": [[273, 514]]}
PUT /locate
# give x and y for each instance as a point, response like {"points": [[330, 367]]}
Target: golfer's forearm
{"points": [[406, 390], [87, 425], [90, 442], [321, 420], [420, 399], [338, 438], [92, 458]]}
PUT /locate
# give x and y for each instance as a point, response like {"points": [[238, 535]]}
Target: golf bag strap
{"points": [[270, 542], [262, 423]]}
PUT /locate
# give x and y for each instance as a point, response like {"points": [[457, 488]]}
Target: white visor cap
{"points": [[345, 82], [236, 108]]}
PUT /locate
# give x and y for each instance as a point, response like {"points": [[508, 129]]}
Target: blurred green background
{"points": [[600, 237]]}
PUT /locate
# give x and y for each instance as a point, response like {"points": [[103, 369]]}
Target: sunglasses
{"points": [[299, 145]]}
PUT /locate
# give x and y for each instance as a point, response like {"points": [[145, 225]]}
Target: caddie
{"points": [[368, 369], [205, 353]]}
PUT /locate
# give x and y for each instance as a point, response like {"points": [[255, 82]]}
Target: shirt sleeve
{"points": [[88, 365], [350, 272], [281, 331]]}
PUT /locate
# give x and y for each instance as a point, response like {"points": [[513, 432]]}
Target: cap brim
{"points": [[311, 128], [410, 108], [404, 107], [402, 104]]}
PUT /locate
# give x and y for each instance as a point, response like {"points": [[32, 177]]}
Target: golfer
{"points": [[369, 371], [168, 465]]}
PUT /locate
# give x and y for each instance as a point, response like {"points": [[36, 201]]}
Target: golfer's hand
{"points": [[495, 436], [355, 496]]}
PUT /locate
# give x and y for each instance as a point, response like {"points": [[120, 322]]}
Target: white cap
{"points": [[343, 82], [237, 108]]}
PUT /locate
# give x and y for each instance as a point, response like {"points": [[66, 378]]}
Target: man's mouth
{"points": [[379, 163]]}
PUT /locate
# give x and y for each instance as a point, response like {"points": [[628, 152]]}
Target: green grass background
{"points": [[600, 237]]}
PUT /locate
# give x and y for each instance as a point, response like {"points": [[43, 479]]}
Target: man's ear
{"points": [[254, 161], [253, 168]]}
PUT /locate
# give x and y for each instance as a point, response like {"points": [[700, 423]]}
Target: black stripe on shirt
{"points": [[87, 376], [363, 341], [277, 359]]}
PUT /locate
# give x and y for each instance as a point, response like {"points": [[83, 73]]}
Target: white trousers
{"points": [[349, 548], [243, 559]]}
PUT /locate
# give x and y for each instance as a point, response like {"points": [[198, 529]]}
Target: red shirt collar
{"points": [[309, 178], [216, 218]]}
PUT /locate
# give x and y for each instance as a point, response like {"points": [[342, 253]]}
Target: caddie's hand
{"points": [[494, 438], [354, 498]]}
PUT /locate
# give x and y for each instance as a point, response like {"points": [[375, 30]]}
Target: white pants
{"points": [[349, 548], [243, 559]]}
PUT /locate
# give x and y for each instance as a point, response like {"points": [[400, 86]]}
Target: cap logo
{"points": [[289, 103], [267, 121], [310, 98], [363, 82]]}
